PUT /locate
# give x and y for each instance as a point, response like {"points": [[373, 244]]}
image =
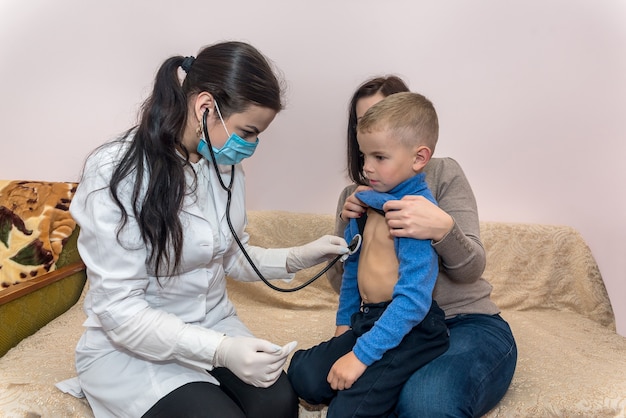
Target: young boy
{"points": [[388, 325]]}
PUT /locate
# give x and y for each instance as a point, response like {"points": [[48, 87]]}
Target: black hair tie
{"points": [[187, 63]]}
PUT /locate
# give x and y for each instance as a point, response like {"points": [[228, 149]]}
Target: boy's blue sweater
{"points": [[412, 294]]}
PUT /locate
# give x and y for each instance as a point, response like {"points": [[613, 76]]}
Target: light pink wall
{"points": [[531, 95]]}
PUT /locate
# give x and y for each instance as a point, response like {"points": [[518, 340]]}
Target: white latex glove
{"points": [[255, 361], [315, 252]]}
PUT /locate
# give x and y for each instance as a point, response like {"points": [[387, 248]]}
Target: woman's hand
{"points": [[353, 207], [417, 217]]}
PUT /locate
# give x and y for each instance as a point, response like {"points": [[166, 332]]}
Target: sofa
{"points": [[571, 361]]}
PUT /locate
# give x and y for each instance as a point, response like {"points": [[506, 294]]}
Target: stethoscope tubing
{"points": [[228, 189]]}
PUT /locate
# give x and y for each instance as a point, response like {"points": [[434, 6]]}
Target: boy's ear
{"points": [[422, 157]]}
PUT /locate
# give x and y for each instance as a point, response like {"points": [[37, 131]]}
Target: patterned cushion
{"points": [[35, 223]]}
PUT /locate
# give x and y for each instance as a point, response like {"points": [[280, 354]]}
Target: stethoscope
{"points": [[352, 247]]}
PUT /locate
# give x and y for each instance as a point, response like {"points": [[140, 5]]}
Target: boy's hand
{"points": [[341, 329], [353, 207], [345, 372]]}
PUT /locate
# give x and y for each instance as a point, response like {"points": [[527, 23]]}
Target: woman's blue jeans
{"points": [[470, 378]]}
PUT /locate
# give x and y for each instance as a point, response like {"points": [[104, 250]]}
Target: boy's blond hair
{"points": [[410, 117]]}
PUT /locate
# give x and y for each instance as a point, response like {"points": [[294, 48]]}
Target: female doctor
{"points": [[162, 338]]}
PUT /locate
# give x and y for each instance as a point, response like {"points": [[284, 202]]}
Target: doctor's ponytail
{"points": [[237, 75]]}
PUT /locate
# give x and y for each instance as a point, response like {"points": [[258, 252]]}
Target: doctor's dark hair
{"points": [[386, 86], [238, 76]]}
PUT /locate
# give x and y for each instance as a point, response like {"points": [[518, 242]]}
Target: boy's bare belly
{"points": [[378, 263]]}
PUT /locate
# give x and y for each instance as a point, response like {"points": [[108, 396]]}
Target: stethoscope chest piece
{"points": [[354, 246]]}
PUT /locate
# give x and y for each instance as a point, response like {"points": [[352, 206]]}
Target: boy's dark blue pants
{"points": [[376, 392]]}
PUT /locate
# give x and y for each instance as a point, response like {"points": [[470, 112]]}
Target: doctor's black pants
{"points": [[232, 399]]}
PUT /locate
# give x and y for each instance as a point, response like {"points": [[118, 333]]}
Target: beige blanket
{"points": [[571, 361]]}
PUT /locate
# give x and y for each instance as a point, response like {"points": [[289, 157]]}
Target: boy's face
{"points": [[387, 161]]}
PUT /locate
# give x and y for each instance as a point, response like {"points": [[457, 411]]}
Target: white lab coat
{"points": [[143, 338]]}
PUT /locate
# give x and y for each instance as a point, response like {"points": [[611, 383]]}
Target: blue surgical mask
{"points": [[232, 152]]}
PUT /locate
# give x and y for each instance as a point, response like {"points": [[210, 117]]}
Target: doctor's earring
{"points": [[199, 131]]}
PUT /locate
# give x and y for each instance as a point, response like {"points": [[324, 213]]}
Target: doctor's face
{"points": [[247, 124]]}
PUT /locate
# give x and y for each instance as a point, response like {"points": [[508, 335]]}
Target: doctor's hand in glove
{"points": [[316, 252], [255, 361]]}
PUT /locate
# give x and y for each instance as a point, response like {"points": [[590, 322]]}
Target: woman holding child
{"points": [[474, 373]]}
